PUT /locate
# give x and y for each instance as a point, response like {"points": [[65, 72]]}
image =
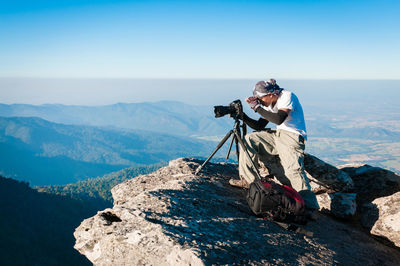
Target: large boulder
{"points": [[371, 182], [378, 198], [382, 217], [173, 217]]}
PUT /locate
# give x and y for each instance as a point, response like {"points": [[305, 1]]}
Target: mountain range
{"points": [[58, 144], [45, 153], [165, 117], [176, 118]]}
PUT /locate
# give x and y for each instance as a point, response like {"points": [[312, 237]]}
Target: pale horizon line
{"points": [[195, 78]]}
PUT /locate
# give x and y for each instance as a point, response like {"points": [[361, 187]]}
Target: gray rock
{"points": [[354, 169], [341, 205], [379, 199], [382, 216], [371, 182], [172, 217], [325, 177]]}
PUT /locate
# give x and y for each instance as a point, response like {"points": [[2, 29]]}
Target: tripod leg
{"points": [[237, 133], [237, 148], [243, 146], [230, 148], [215, 151]]}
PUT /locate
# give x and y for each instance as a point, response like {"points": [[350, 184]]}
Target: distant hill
{"points": [[37, 228], [164, 117], [98, 190], [45, 153], [324, 129]]}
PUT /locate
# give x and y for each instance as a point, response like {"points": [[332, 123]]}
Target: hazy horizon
{"points": [[94, 92]]}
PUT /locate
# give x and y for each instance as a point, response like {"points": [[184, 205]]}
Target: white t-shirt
{"points": [[295, 121]]}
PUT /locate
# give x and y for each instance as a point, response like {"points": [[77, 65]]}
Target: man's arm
{"points": [[255, 124], [276, 118]]}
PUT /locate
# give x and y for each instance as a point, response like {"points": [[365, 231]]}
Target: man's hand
{"points": [[254, 102]]}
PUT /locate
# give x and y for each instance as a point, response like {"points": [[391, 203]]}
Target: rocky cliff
{"points": [[172, 217]]}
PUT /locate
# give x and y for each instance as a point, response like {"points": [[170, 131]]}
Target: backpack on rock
{"points": [[276, 202]]}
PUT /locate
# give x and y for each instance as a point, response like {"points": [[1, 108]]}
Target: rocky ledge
{"points": [[172, 217]]}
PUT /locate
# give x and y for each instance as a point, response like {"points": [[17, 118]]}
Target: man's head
{"points": [[264, 88], [267, 91]]}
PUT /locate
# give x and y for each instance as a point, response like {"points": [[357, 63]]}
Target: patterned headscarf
{"points": [[263, 88]]}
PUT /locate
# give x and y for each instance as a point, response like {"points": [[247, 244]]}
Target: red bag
{"points": [[275, 202]]}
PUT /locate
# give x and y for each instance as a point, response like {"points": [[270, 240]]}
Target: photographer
{"points": [[282, 108]]}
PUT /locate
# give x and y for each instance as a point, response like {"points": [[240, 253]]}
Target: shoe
{"points": [[312, 215], [238, 183]]}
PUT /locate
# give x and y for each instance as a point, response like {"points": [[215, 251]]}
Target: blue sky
{"points": [[200, 39]]}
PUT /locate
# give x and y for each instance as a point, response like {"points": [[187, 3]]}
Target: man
{"points": [[282, 108]]}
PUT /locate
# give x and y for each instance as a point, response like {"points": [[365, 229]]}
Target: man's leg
{"points": [[259, 145], [290, 147]]}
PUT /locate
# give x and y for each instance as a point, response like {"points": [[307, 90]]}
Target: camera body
{"points": [[234, 109]]}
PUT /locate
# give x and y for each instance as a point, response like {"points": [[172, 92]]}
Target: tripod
{"points": [[238, 139]]}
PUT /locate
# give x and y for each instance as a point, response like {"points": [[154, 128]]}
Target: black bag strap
{"points": [[294, 228]]}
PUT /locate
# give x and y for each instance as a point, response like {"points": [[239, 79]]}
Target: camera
{"points": [[234, 109]]}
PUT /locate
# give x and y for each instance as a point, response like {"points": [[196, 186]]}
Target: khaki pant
{"points": [[282, 152]]}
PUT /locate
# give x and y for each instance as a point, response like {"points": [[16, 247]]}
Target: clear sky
{"points": [[335, 39]]}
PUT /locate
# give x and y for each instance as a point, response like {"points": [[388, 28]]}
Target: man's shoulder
{"points": [[285, 95], [286, 92], [288, 96]]}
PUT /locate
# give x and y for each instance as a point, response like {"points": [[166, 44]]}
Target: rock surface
{"points": [[325, 177], [370, 182], [341, 205], [378, 199], [171, 217], [382, 216]]}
